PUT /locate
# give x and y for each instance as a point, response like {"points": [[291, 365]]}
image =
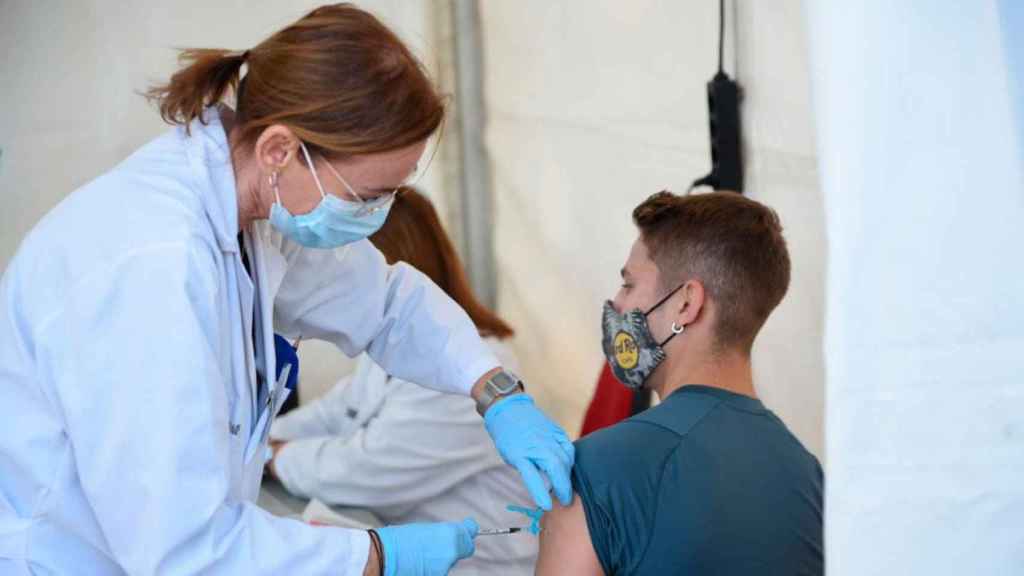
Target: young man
{"points": [[709, 481]]}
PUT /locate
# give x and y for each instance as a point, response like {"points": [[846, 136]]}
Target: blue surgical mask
{"points": [[333, 222]]}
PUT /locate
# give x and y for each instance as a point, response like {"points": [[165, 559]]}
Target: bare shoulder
{"points": [[565, 546]]}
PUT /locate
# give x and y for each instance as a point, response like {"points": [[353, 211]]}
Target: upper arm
{"points": [[565, 545], [406, 324]]}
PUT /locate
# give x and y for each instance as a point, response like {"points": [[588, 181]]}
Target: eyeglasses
{"points": [[372, 205], [367, 206]]}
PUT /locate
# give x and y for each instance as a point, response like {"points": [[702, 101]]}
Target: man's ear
{"points": [[275, 148], [691, 303]]}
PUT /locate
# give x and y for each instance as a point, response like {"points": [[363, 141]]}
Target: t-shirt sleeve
{"points": [[599, 523], [617, 482]]}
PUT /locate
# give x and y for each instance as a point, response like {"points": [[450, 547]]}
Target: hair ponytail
{"points": [[204, 79], [338, 78]]}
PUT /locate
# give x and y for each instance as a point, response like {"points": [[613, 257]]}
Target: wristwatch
{"points": [[502, 384]]}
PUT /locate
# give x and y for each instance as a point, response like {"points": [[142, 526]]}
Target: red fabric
{"points": [[612, 403]]}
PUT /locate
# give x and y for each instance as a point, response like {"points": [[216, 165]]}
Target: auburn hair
{"points": [[338, 78], [413, 234], [732, 244]]}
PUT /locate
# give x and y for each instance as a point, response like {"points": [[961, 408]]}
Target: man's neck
{"points": [[729, 371]]}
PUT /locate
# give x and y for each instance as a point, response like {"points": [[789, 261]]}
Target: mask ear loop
{"points": [[345, 182], [663, 300], [272, 180], [312, 169]]}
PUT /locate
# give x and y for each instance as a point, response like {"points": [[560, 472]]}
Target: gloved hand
{"points": [[530, 441], [426, 549]]}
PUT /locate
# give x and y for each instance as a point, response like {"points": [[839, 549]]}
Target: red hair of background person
{"points": [[413, 234], [612, 403]]}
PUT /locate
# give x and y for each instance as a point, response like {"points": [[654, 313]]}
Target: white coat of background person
{"points": [[402, 451], [137, 321]]}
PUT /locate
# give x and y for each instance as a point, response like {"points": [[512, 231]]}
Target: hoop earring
{"points": [[678, 329]]}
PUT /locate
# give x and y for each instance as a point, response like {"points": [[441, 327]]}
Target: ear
{"points": [[692, 302], [275, 148]]}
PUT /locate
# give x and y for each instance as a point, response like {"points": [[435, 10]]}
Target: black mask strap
{"points": [[663, 300], [666, 340], [655, 307]]}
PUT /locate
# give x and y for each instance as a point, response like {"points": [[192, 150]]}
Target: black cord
{"points": [[721, 32], [702, 181], [711, 179]]}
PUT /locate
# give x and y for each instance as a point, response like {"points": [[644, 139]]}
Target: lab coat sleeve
{"points": [[320, 417], [408, 325], [419, 445], [132, 361]]}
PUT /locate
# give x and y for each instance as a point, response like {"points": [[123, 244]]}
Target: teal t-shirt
{"points": [[707, 482]]}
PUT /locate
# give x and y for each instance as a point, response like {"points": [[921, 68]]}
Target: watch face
{"points": [[505, 382]]}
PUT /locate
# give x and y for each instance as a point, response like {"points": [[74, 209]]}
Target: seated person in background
{"points": [[402, 451], [709, 481]]}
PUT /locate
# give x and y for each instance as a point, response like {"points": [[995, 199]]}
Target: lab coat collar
{"points": [[209, 147], [210, 154], [273, 263]]}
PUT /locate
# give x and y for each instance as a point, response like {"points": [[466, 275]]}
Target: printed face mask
{"points": [[631, 350]]}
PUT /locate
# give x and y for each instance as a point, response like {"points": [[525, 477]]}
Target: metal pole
{"points": [[475, 186]]}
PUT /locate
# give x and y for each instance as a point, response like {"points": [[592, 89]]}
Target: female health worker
{"points": [[422, 455], [137, 320]]}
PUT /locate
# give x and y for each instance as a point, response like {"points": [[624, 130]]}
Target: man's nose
{"points": [[617, 302]]}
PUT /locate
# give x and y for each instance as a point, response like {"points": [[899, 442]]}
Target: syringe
{"points": [[500, 531]]}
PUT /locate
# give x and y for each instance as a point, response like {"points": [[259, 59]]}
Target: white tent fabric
{"points": [[591, 110], [921, 169]]}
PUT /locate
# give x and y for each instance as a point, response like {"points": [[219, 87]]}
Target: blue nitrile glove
{"points": [[530, 441], [426, 549]]}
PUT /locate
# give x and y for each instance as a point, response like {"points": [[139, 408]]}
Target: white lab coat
{"points": [[130, 439], [408, 454]]}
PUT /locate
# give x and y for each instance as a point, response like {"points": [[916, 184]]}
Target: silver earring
{"points": [[678, 329]]}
